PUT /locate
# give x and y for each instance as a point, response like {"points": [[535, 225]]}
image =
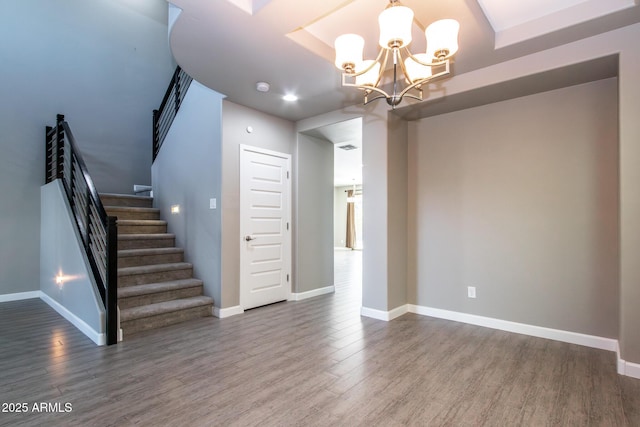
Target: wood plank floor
{"points": [[313, 362]]}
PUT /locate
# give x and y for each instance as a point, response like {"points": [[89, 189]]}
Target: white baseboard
{"points": [[384, 315], [628, 369], [221, 313], [310, 294], [19, 296], [95, 336], [519, 328]]}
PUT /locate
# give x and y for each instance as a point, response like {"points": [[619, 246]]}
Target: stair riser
{"points": [[125, 201], [153, 298], [135, 261], [146, 243], [142, 229], [143, 324], [127, 215], [162, 276]]}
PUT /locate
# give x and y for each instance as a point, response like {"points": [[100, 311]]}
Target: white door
{"points": [[265, 216]]}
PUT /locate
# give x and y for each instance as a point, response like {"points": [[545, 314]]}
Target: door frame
{"points": [[288, 240]]}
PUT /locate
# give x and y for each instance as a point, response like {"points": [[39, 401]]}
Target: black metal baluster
{"points": [[47, 158], [72, 182], [60, 147], [88, 222], [156, 137], [176, 84]]}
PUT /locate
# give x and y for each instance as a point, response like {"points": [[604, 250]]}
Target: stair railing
{"points": [[98, 231], [163, 116]]}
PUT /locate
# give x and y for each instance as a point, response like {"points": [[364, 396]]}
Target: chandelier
{"points": [[395, 35]]}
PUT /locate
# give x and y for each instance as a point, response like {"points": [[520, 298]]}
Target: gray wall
{"points": [[270, 133], [187, 172], [340, 216], [314, 226], [397, 199], [62, 254], [520, 200], [629, 109], [375, 222], [99, 63]]}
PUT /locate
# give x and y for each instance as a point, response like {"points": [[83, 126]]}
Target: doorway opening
{"points": [[347, 205], [348, 198]]}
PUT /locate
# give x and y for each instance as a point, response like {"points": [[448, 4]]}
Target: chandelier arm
{"points": [[444, 72], [367, 101], [428, 64], [413, 86], [423, 81], [409, 95], [404, 69], [373, 64], [370, 88], [383, 64]]}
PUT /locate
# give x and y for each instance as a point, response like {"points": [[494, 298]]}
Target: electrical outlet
{"points": [[471, 291]]}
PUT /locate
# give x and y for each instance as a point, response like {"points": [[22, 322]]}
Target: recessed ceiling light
{"points": [[290, 97], [262, 87]]}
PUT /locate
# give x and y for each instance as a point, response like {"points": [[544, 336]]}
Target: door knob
{"points": [[249, 238]]}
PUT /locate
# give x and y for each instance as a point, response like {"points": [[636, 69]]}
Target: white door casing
{"points": [[265, 226]]}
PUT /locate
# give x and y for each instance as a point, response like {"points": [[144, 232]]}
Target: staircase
{"points": [[155, 286]]}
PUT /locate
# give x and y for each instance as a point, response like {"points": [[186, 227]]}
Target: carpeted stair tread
{"points": [[125, 196], [131, 209], [148, 251], [110, 199], [132, 291], [154, 268], [125, 212], [146, 236], [123, 222], [128, 314]]}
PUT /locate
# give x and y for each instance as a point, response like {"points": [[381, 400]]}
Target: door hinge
{"points": [[287, 174], [287, 226], [287, 277]]}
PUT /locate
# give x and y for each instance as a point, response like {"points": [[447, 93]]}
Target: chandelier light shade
{"points": [[395, 26], [396, 23], [442, 39], [349, 49]]}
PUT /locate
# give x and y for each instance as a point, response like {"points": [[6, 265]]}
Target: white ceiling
{"points": [[506, 14], [229, 45], [521, 20], [347, 163]]}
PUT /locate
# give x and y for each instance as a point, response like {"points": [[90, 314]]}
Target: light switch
{"points": [[212, 203]]}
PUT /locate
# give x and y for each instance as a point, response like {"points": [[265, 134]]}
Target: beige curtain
{"points": [[351, 222]]}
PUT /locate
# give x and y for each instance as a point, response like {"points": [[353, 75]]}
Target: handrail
{"points": [[97, 230], [163, 116]]}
